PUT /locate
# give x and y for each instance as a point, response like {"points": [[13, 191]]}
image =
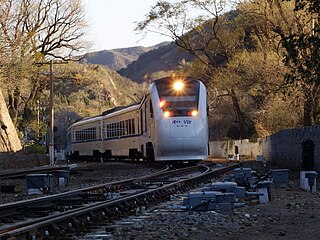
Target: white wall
{"points": [[221, 149]]}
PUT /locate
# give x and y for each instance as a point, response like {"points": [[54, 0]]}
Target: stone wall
{"points": [[17, 161], [283, 149]]}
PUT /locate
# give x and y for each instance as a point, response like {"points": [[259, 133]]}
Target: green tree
{"points": [[295, 26], [302, 57]]}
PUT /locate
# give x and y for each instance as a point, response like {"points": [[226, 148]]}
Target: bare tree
{"points": [[36, 31], [51, 28]]}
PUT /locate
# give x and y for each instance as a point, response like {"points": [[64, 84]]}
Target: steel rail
{"points": [[22, 173], [61, 221], [12, 208]]}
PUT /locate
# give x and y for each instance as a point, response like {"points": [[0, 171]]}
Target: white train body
{"points": [[167, 125]]}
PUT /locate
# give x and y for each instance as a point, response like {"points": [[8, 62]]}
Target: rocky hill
{"points": [[116, 59], [140, 63], [162, 59]]}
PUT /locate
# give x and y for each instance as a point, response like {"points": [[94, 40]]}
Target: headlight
{"points": [[193, 113], [162, 103], [167, 114], [178, 85]]}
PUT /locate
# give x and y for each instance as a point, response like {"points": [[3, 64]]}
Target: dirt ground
{"points": [[291, 214]]}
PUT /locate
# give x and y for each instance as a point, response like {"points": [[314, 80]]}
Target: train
{"points": [[170, 123]]}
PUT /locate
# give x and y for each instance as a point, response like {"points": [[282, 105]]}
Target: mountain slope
{"points": [[116, 59], [164, 58], [88, 90]]}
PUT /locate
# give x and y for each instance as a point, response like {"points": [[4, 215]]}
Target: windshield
{"points": [[179, 102]]}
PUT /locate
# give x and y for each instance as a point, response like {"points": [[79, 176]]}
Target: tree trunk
{"points": [[9, 141], [308, 110], [309, 105], [239, 115]]}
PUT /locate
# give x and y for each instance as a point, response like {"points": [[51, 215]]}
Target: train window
{"points": [[125, 132], [145, 118], [109, 130], [99, 132], [106, 132], [126, 128], [84, 134], [141, 121], [129, 127], [122, 126], [92, 134], [118, 129], [133, 126], [81, 136], [180, 103], [114, 130]]}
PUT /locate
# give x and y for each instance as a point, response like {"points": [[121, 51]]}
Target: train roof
{"points": [[116, 109], [119, 110], [85, 120], [107, 113]]}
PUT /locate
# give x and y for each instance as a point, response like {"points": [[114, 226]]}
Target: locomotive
{"points": [[169, 124]]}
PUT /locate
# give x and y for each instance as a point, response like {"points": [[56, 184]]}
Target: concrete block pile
{"points": [[226, 195]]}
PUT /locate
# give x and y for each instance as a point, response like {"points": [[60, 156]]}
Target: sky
{"points": [[112, 23]]}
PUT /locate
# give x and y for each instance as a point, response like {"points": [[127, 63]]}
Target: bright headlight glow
{"points": [[178, 85], [162, 103], [194, 113], [167, 114]]}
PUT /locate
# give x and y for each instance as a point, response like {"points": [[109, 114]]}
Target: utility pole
{"points": [[38, 120], [51, 132]]}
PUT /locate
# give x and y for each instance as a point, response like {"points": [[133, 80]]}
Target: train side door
{"points": [[147, 128], [142, 129], [151, 120], [150, 130]]}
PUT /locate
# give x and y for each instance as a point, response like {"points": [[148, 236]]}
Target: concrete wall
{"points": [[225, 149], [283, 148]]}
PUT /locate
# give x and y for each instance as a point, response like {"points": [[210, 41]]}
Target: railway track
{"points": [[61, 215], [23, 173]]}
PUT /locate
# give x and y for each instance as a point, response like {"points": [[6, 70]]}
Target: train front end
{"points": [[180, 109]]}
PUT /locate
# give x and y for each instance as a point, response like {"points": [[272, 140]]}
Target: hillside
{"points": [[116, 59], [164, 58], [87, 90]]}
